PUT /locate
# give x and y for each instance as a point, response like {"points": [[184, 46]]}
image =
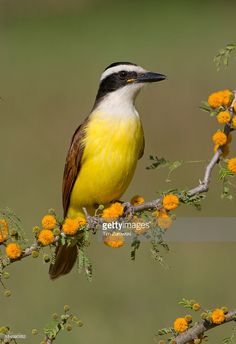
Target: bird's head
{"points": [[121, 81]]}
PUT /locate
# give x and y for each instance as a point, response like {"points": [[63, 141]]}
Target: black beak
{"points": [[150, 77]]}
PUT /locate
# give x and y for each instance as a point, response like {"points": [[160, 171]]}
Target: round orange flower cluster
{"points": [[218, 316], [13, 251], [49, 222], [164, 220], [169, 202], [72, 226], [223, 117], [225, 106], [4, 230], [231, 164], [181, 325], [114, 240], [137, 200], [46, 236], [112, 212], [220, 98]]}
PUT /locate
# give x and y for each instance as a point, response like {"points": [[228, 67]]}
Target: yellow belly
{"points": [[112, 147]]}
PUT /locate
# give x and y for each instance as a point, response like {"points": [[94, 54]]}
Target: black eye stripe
{"points": [[123, 74], [113, 82]]}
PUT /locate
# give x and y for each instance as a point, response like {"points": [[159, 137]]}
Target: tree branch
{"points": [[200, 328]]}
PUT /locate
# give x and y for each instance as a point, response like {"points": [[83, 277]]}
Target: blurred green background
{"points": [[51, 57]]}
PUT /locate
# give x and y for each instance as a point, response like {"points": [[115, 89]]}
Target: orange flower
{"points": [[223, 117], [234, 120], [164, 222], [227, 97], [234, 106], [180, 325], [218, 316], [220, 98], [49, 222], [71, 226], [170, 202], [215, 100], [219, 138], [45, 237], [13, 251], [113, 212], [114, 240], [139, 226], [3, 230], [137, 200], [232, 165]]}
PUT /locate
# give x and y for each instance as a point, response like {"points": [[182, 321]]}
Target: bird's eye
{"points": [[123, 74]]}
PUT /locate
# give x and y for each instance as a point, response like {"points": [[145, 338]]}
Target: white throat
{"points": [[120, 102]]}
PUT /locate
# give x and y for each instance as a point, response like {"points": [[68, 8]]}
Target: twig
{"points": [[59, 327], [200, 328]]}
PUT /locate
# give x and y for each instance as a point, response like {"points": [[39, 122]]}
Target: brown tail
{"points": [[64, 262]]}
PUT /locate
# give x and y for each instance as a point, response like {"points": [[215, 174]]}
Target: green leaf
{"points": [[223, 56], [224, 172], [157, 163], [205, 106]]}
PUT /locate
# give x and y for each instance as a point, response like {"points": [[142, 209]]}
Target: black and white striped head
{"points": [[124, 78]]}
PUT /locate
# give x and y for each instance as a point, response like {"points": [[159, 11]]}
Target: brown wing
{"points": [[73, 163]]}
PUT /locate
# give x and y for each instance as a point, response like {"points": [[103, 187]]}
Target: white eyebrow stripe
{"points": [[127, 68]]}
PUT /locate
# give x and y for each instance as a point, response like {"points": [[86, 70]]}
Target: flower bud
{"points": [[79, 323], [196, 306], [7, 293], [68, 327], [56, 231], [197, 341], [204, 315], [66, 308], [54, 316], [6, 274], [36, 229], [34, 254], [46, 258]]}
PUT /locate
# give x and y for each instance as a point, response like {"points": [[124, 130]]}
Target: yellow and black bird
{"points": [[104, 150]]}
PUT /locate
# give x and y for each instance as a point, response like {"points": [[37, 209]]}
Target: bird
{"points": [[104, 150]]}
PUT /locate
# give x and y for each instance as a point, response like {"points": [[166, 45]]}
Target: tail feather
{"points": [[65, 259]]}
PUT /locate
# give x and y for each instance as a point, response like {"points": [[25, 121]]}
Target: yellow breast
{"points": [[112, 147]]}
